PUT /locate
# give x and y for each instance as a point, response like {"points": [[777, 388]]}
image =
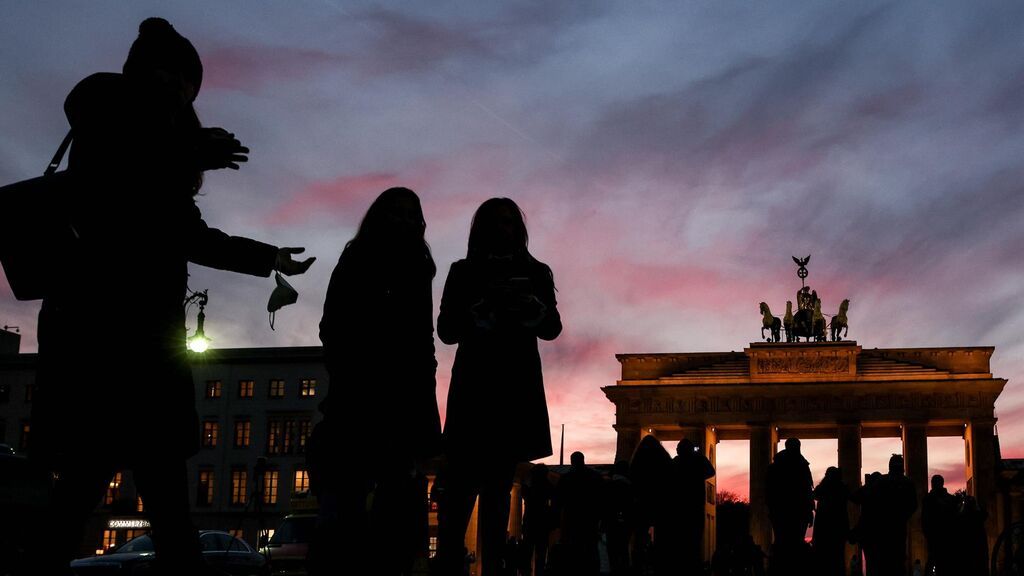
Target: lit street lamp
{"points": [[198, 342]]}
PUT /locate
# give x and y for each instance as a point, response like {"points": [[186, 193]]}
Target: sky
{"points": [[670, 157]]}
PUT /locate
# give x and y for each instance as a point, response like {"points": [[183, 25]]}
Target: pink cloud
{"points": [[249, 67], [342, 195]]}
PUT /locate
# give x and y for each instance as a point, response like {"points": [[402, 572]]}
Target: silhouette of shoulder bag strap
{"points": [[36, 233]]}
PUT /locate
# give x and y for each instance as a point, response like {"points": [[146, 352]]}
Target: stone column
{"points": [[628, 438], [915, 457], [981, 471], [515, 513], [849, 447], [762, 447]]}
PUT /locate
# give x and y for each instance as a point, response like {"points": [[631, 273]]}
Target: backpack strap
{"points": [[59, 155]]}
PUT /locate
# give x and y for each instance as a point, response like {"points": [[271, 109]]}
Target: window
{"points": [[308, 388], [246, 388], [432, 547], [240, 534], [26, 428], [132, 534], [239, 479], [270, 478], [277, 388], [305, 429], [274, 437], [213, 388], [204, 489], [139, 507], [289, 436], [113, 489], [5, 393], [243, 433], [29, 391], [211, 430], [109, 539], [301, 481]]}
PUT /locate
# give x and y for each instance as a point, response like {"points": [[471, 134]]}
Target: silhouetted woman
{"points": [[138, 156], [831, 524], [380, 416], [497, 302], [652, 474]]}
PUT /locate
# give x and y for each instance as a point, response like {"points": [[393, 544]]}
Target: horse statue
{"points": [[787, 321], [818, 322], [838, 323], [772, 323]]}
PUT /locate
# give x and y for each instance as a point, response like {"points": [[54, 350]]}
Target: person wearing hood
{"points": [[831, 524], [137, 163], [938, 519]]}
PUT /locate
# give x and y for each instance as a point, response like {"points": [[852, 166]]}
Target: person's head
{"points": [[896, 464], [793, 445], [577, 460], [832, 474], [160, 54], [498, 229], [395, 220], [938, 482], [685, 447]]}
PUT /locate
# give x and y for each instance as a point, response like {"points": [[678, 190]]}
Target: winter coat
{"points": [[114, 378], [496, 403]]}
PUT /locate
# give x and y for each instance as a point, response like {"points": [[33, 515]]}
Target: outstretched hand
{"points": [[286, 265], [217, 148]]}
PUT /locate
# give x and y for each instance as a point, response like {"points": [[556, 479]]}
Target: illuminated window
{"points": [[211, 431], [305, 429], [109, 539], [213, 388], [26, 428], [29, 390], [432, 547], [270, 478], [274, 437], [204, 489], [240, 534], [277, 388], [113, 489], [308, 388], [246, 388], [289, 434], [239, 479], [139, 506], [243, 432], [301, 481], [130, 534]]}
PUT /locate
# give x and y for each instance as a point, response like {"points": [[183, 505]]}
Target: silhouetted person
{"points": [[790, 508], [538, 519], [138, 159], [378, 308], [896, 500], [619, 512], [679, 541], [938, 521], [866, 533], [497, 302], [651, 471], [577, 499], [831, 524], [970, 543]]}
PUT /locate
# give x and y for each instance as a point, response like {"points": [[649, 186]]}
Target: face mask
{"points": [[282, 296]]}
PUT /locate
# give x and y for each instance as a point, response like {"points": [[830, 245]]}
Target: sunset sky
{"points": [[670, 157]]}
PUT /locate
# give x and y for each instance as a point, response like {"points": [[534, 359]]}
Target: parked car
{"points": [[286, 550], [135, 558]]}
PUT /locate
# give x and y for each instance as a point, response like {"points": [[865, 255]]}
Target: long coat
{"points": [[114, 378], [496, 403], [378, 336]]}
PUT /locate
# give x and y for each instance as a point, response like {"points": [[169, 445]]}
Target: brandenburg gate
{"points": [[777, 390]]}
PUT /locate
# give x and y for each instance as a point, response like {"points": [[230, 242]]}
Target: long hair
{"points": [[486, 235], [377, 233]]}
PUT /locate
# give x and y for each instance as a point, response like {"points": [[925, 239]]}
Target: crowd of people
{"points": [[138, 155]]}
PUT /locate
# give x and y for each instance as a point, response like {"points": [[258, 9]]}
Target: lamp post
{"points": [[198, 342]]}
